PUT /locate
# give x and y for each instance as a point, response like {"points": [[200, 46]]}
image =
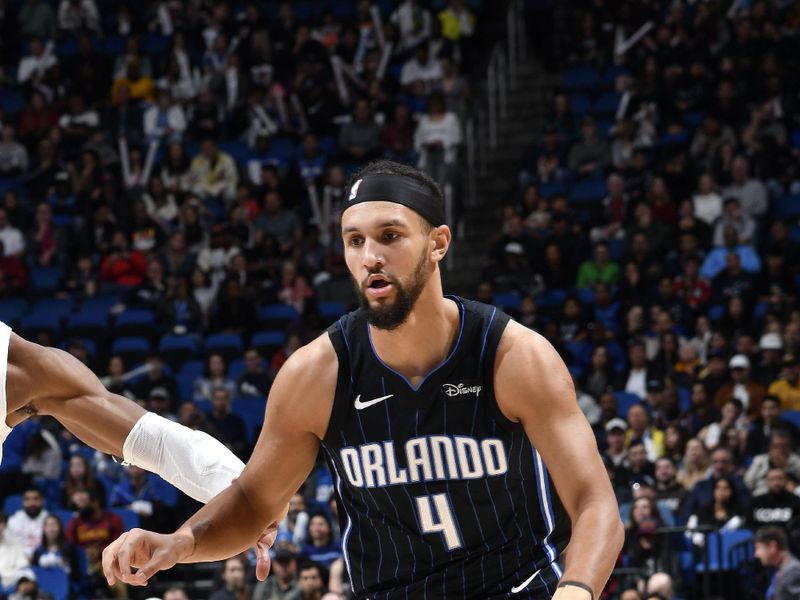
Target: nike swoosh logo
{"points": [[518, 588], [362, 405]]}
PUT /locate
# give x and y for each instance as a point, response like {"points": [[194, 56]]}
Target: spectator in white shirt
{"points": [[12, 238], [34, 66], [74, 15], [735, 217], [707, 201], [751, 192], [436, 140], [27, 523], [12, 554], [414, 22], [421, 68], [164, 120]]}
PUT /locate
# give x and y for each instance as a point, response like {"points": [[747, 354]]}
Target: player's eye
{"points": [[356, 241], [390, 235]]}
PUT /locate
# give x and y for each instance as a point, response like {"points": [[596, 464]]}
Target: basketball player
{"points": [[460, 454], [38, 380]]}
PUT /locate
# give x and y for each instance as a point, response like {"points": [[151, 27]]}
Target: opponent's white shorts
{"points": [[5, 338]]}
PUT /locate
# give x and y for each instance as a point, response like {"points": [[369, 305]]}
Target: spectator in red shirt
{"points": [[123, 266], [13, 277], [93, 528]]}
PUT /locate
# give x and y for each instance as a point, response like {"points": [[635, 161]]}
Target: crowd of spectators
{"points": [[171, 177], [655, 244]]}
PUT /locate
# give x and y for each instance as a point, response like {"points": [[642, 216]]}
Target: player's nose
{"points": [[373, 255]]}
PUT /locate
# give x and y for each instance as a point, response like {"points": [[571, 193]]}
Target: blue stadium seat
{"points": [[35, 322], [133, 350], [11, 102], [553, 188], [89, 343], [60, 307], [134, 321], [45, 279], [12, 504], [581, 352], [551, 298], [282, 148], [88, 324], [268, 342], [236, 368], [129, 518], [719, 554], [189, 371], [795, 138], [251, 410], [581, 78], [156, 45], [624, 402], [64, 515], [11, 309], [684, 398], [99, 304], [607, 104], [793, 416], [277, 316], [330, 311], [229, 345], [788, 207], [175, 349], [716, 312], [52, 580], [588, 192], [507, 301], [112, 45], [238, 150], [580, 104]]}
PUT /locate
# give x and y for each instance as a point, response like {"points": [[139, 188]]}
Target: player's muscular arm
{"points": [[298, 411], [49, 381], [534, 387]]}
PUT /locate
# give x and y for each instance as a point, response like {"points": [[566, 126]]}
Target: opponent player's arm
{"points": [[49, 381], [297, 416], [534, 387]]}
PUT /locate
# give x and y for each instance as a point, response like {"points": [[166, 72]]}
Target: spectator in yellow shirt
{"points": [[457, 21], [787, 388], [141, 86]]}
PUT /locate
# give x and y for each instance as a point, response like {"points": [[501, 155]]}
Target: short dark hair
{"points": [[32, 488], [388, 167], [771, 533], [310, 564]]}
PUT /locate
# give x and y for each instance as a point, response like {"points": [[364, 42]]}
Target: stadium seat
{"points": [[189, 371], [581, 78], [793, 416], [553, 188], [508, 301], [581, 352], [229, 345], [277, 316], [624, 402], [251, 410], [716, 312], [129, 518], [12, 504], [100, 304], [64, 515], [88, 324], [176, 349], [268, 342], [788, 207], [33, 323], [11, 102], [134, 322], [330, 312], [11, 309], [53, 581], [588, 192], [60, 307], [719, 550], [45, 280], [133, 350], [580, 104], [606, 104]]}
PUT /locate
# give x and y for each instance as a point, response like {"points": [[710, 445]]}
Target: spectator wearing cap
{"points": [[702, 493], [615, 449], [514, 273], [160, 402], [780, 454], [742, 387], [787, 388], [12, 554], [283, 576], [26, 587], [772, 550]]}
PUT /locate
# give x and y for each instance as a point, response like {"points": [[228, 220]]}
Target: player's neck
{"points": [[421, 343]]}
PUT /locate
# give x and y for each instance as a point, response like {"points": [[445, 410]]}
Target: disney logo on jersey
{"points": [[455, 390]]}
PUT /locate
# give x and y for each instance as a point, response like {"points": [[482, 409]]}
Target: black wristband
{"points": [[577, 584]]}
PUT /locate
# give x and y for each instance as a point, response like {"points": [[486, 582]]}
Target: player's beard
{"points": [[390, 316]]}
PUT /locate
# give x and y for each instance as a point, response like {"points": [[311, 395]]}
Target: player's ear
{"points": [[440, 242]]}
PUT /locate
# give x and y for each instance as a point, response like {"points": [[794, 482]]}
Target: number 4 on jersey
{"points": [[445, 524]]}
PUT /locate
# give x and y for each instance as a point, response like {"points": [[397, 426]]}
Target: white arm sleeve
{"points": [[194, 462]]}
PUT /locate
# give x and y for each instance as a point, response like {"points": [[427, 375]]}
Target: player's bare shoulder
{"points": [[306, 384]]}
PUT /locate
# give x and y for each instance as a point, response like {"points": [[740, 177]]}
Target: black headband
{"points": [[401, 189]]}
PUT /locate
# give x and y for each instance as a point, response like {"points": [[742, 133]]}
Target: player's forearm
{"points": [[224, 527], [597, 538]]}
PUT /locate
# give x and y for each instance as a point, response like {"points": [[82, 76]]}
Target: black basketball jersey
{"points": [[440, 496]]}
